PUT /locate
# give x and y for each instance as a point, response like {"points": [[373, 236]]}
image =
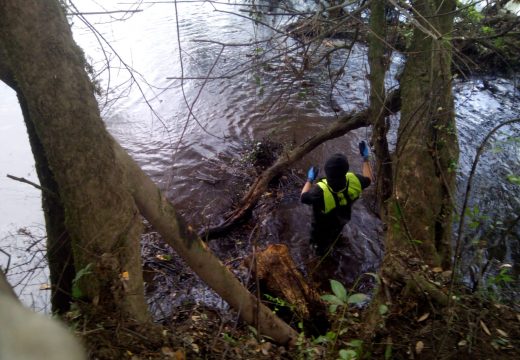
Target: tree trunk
{"points": [[427, 148], [99, 213], [378, 65], [59, 250], [99, 186]]}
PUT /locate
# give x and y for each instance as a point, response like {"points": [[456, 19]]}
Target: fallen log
{"points": [[339, 128]]}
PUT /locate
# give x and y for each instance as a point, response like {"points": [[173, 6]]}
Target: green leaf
{"points": [[383, 309], [356, 343], [513, 179], [76, 290], [333, 309], [357, 298], [347, 354], [321, 340], [332, 299], [339, 290]]}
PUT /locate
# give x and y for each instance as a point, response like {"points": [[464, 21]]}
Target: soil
{"points": [[191, 322]]}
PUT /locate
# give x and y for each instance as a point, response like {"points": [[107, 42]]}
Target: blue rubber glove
{"points": [[363, 150], [312, 174]]}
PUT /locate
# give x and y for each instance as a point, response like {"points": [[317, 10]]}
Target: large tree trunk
{"points": [[427, 148], [59, 250], [99, 212], [100, 187]]}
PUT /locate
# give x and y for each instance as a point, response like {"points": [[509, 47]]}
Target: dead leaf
{"points": [[195, 347], [502, 333], [166, 351], [446, 274], [179, 355], [423, 317], [462, 343], [419, 347], [125, 276], [265, 347], [437, 269], [45, 287], [485, 328]]}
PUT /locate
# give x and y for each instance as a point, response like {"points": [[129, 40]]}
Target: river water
{"points": [[252, 92]]}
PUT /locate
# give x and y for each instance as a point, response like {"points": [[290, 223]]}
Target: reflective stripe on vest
{"points": [[353, 189]]}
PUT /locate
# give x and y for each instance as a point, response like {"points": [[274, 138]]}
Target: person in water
{"points": [[332, 197]]}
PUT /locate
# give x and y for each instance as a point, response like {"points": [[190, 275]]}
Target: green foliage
{"points": [[468, 13], [278, 303], [501, 279], [383, 309], [77, 293], [514, 179], [341, 299]]}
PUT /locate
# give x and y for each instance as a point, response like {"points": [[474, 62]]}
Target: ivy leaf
{"points": [[339, 290]]}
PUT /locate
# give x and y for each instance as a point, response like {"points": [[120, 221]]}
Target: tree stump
{"points": [[280, 277]]}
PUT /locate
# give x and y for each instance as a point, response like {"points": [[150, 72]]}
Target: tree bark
{"points": [[276, 270], [378, 65], [59, 250], [427, 148], [99, 213], [338, 128]]}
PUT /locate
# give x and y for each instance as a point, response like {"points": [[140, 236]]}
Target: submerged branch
{"points": [[339, 128]]}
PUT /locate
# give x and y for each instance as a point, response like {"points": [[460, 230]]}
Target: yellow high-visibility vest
{"points": [[353, 187]]}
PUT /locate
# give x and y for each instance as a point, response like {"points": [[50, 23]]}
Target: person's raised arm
{"points": [[366, 169], [312, 174]]}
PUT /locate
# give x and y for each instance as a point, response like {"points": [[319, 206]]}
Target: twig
{"points": [[24, 180], [102, 12]]}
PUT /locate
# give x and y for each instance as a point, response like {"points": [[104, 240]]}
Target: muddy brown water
{"points": [[190, 155]]}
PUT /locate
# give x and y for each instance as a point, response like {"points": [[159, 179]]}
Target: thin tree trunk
{"points": [[377, 62]]}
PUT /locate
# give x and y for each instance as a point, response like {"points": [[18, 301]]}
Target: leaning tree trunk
{"points": [[99, 212], [427, 148]]}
